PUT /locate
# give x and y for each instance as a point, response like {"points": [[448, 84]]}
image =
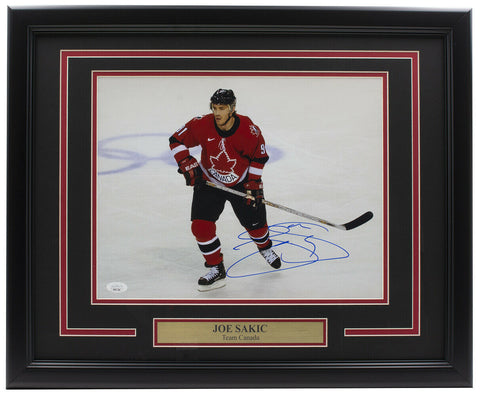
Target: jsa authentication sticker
{"points": [[240, 332]]}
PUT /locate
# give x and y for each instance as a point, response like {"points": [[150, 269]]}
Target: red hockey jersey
{"points": [[227, 157]]}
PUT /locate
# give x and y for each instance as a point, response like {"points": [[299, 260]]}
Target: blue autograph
{"points": [[298, 235]]}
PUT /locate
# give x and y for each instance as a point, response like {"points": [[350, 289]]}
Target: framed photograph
{"points": [[231, 197]]}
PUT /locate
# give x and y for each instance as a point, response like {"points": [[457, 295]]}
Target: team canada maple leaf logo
{"points": [[222, 163], [223, 167]]}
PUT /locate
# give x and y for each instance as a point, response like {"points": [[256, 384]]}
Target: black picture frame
{"points": [[33, 221]]}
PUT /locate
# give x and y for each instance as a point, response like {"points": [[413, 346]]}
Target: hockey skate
{"points": [[214, 279], [271, 257]]}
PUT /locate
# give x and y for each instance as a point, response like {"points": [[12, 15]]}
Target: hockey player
{"points": [[233, 155]]}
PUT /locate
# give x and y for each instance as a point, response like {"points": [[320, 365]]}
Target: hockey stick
{"points": [[347, 226]]}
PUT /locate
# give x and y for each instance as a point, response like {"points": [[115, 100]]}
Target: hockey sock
{"points": [[261, 237], [207, 240]]}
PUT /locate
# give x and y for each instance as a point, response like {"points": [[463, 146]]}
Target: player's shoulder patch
{"points": [[249, 126], [254, 130]]}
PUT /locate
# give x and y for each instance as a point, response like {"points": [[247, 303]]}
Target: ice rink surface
{"points": [[325, 139]]}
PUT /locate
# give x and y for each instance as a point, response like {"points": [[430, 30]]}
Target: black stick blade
{"points": [[359, 221]]}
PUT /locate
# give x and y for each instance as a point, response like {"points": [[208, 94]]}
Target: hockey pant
{"points": [[208, 204]]}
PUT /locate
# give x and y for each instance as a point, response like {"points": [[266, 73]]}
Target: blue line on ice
{"points": [[119, 148]]}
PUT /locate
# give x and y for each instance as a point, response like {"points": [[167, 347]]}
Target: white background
{"points": [[439, 4]]}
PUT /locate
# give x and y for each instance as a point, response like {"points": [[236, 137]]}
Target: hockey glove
{"points": [[191, 171], [254, 189]]}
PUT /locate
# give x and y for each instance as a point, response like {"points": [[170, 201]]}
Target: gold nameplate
{"points": [[240, 332]]}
